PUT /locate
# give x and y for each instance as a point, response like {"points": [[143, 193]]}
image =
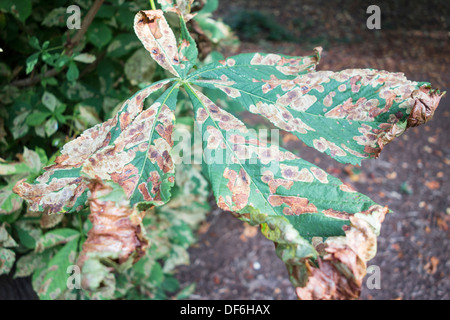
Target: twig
{"points": [[70, 45]]}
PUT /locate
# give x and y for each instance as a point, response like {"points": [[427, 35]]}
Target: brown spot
{"points": [[337, 214], [294, 205], [127, 178]]}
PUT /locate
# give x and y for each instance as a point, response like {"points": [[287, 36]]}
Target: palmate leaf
{"points": [[323, 230]]}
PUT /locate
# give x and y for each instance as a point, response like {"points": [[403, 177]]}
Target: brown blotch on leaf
{"points": [[294, 205], [152, 22]]}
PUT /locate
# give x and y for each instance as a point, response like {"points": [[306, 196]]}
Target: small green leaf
{"points": [[31, 62], [34, 42], [21, 9], [45, 45], [170, 284], [37, 118], [186, 292], [28, 233], [62, 61], [72, 72], [60, 118], [99, 34], [51, 81], [50, 58]]}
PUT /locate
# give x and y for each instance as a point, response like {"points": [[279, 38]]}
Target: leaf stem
{"points": [[152, 4]]}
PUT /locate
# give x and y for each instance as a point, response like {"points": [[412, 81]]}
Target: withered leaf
{"points": [[117, 230]]}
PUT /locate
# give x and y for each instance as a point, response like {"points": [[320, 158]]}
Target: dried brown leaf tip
{"points": [[117, 230], [426, 102], [341, 268]]}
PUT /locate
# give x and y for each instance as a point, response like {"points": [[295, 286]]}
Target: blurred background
{"points": [[90, 75]]}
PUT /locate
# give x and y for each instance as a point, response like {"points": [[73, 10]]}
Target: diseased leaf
{"points": [[139, 69], [155, 34], [56, 17], [28, 263], [7, 258], [55, 237], [350, 115], [51, 126], [6, 240], [54, 279], [29, 166], [342, 256], [131, 149], [50, 101], [122, 44], [188, 51], [9, 201]]}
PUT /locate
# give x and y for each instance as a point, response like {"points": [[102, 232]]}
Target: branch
{"points": [[69, 45]]}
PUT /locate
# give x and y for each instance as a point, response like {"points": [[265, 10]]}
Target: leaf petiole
{"points": [[152, 5]]}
